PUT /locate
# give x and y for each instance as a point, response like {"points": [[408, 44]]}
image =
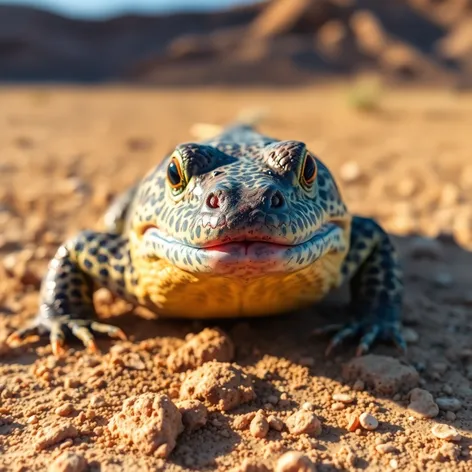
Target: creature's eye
{"points": [[175, 175], [309, 170]]}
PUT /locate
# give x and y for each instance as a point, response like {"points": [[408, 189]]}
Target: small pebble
{"points": [[275, 423], [64, 410], [449, 404], [303, 422], [353, 422], [393, 464], [359, 385], [410, 335], [385, 448], [97, 400], [450, 416], [342, 397], [445, 432], [294, 462], [33, 419], [259, 426], [308, 406], [273, 399], [338, 406], [443, 279], [350, 171], [368, 421]]}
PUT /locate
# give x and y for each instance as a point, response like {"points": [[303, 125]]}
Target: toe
{"points": [[341, 336], [57, 339], [110, 330], [84, 334], [367, 340], [399, 340], [21, 334]]}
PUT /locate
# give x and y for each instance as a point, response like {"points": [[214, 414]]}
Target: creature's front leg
{"points": [[372, 268], [66, 305]]}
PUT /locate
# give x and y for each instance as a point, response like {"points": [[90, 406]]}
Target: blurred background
{"points": [[283, 42]]}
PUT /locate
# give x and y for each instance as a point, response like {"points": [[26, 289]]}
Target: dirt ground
{"points": [[65, 152]]}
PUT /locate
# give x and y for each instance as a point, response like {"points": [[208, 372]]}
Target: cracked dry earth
{"points": [[270, 391]]}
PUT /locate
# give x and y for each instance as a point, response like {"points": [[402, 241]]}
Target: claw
{"points": [[13, 338], [110, 330], [21, 334], [57, 348], [92, 347], [400, 342], [327, 329], [340, 337], [367, 340]]}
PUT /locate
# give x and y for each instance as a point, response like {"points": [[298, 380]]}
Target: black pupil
{"points": [[173, 174], [309, 169]]}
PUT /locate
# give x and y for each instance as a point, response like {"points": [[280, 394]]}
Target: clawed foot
{"points": [[60, 327], [369, 331]]}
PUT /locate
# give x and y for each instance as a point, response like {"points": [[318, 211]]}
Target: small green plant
{"points": [[365, 95]]}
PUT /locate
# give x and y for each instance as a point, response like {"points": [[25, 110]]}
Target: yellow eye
{"points": [[309, 170], [175, 175]]}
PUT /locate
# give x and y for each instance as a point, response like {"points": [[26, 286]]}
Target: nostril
{"points": [[213, 201], [277, 200]]}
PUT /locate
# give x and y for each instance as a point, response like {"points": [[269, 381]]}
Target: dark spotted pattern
{"points": [[238, 187]]}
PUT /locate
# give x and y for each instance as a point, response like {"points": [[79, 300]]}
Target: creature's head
{"points": [[242, 210]]}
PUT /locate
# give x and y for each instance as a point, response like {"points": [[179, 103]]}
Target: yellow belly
{"points": [[172, 292]]}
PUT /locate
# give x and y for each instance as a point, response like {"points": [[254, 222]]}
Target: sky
{"points": [[106, 8]]}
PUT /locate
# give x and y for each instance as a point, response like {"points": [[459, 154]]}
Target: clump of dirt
{"points": [[211, 344], [151, 422], [220, 384], [384, 374], [194, 414]]}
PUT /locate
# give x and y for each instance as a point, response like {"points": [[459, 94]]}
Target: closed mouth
{"points": [[238, 257]]}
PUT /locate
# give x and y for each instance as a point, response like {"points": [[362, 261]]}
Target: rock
{"points": [[275, 423], [65, 410], [385, 448], [55, 434], [208, 345], [422, 404], [385, 375], [303, 422], [353, 422], [259, 426], [194, 414], [68, 462], [410, 335], [342, 397], [150, 421], [294, 461], [242, 422], [368, 421], [350, 172], [446, 432], [222, 385], [449, 403]]}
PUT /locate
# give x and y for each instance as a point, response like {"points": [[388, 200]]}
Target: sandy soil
{"points": [[65, 152]]}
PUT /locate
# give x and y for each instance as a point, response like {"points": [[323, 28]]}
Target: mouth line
{"points": [[254, 256]]}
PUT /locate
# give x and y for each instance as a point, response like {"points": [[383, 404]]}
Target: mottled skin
{"points": [[239, 225]]}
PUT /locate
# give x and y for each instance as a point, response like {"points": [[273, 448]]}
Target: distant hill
{"points": [[278, 42]]}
